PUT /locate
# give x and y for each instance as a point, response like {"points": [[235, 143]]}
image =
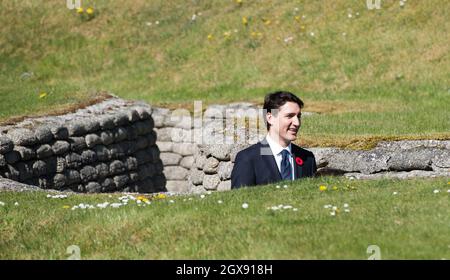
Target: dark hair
{"points": [[277, 99]]}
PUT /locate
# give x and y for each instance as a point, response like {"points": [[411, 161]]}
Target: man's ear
{"points": [[269, 118]]}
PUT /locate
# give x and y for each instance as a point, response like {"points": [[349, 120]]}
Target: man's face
{"points": [[285, 123]]}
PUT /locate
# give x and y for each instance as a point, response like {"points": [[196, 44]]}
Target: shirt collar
{"points": [[275, 147]]}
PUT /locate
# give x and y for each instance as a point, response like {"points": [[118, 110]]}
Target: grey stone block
{"points": [[196, 176], [211, 165], [91, 125], [106, 122], [187, 162], [59, 181], [93, 187], [60, 132], [170, 158], [200, 161], [164, 134], [117, 150], [177, 186], [88, 173], [211, 182], [107, 137], [224, 186], [6, 145], [164, 146], [77, 144], [73, 160], [224, 170], [121, 119], [88, 157], [26, 153], [93, 140], [22, 137], [117, 167], [131, 163], [175, 173], [119, 134], [132, 115], [44, 151], [60, 147], [144, 113], [102, 152], [39, 168], [102, 170], [108, 185], [76, 128], [72, 176], [121, 180], [43, 135], [185, 149]]}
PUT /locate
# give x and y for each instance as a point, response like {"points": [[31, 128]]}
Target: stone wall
{"points": [[107, 147], [402, 159]]}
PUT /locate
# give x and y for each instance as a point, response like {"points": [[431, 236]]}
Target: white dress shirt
{"points": [[276, 151]]}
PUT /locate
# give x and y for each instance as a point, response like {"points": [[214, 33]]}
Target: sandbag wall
{"points": [[103, 148]]}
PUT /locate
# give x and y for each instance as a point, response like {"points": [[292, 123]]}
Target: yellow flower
{"points": [[42, 95], [90, 11], [66, 206], [210, 37], [334, 188], [160, 196], [227, 34], [448, 183], [80, 10], [244, 20], [322, 188], [239, 2], [297, 18], [267, 21]]}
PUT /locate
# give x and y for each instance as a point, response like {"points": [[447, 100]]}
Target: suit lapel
{"points": [[269, 160]]}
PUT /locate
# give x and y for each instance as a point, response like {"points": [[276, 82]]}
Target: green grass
{"points": [[413, 224], [387, 77]]}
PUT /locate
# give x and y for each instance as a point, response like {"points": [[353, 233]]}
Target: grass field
{"points": [[371, 74], [406, 219]]}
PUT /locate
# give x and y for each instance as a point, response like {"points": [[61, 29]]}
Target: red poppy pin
{"points": [[299, 161]]}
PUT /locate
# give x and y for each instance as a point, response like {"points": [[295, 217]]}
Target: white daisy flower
{"points": [[157, 22], [202, 196], [208, 192], [436, 191], [2, 203], [334, 208], [285, 186], [345, 205], [312, 34], [347, 210], [220, 201], [333, 213], [394, 193], [245, 205], [277, 187], [350, 15], [287, 207], [171, 201], [295, 209], [16, 203]]}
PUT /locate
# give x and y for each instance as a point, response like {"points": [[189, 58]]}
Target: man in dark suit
{"points": [[275, 158]]}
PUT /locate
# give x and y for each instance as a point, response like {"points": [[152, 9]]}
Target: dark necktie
{"points": [[286, 170]]}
